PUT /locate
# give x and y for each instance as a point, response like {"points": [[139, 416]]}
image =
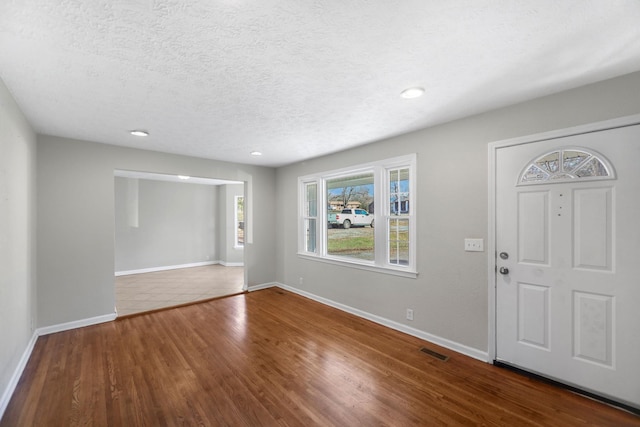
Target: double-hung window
{"points": [[310, 216], [363, 216]]}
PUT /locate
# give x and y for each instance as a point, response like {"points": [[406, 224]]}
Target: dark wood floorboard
{"points": [[273, 358]]}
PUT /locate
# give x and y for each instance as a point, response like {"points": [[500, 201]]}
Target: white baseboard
{"points": [[264, 286], [443, 342], [231, 264], [13, 381], [76, 324], [166, 267]]}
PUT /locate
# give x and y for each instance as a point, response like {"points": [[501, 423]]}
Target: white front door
{"points": [[568, 247]]}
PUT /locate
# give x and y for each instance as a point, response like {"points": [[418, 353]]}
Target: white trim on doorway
{"points": [[491, 241]]}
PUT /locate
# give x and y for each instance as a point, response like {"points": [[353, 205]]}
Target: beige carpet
{"points": [[137, 293]]}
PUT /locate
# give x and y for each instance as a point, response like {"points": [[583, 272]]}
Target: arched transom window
{"points": [[566, 165]]}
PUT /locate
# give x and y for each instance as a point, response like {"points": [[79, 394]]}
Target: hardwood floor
{"points": [[275, 358]]}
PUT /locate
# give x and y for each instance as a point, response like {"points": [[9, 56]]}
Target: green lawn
{"points": [[354, 242], [359, 242]]}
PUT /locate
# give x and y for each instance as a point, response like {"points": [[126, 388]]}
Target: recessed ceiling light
{"points": [[184, 176], [412, 92], [137, 132], [256, 153]]}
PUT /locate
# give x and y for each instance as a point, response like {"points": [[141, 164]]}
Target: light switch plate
{"points": [[474, 245]]}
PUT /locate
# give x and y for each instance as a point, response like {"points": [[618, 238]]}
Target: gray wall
{"points": [[229, 254], [74, 263], [450, 295], [175, 224], [76, 224], [17, 237]]}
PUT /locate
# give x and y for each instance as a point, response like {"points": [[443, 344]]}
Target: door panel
{"points": [[593, 328], [533, 227], [568, 301], [593, 228], [533, 315]]}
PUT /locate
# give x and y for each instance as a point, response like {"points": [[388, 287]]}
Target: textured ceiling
{"points": [[295, 79]]}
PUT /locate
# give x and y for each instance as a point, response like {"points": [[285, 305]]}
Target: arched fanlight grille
{"points": [[566, 165]]}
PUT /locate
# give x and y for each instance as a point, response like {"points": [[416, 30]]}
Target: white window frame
{"points": [[303, 217], [380, 170]]}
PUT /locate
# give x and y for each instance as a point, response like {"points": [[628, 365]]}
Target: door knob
{"points": [[504, 270]]}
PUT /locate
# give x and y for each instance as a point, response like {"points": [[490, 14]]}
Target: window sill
{"points": [[384, 270]]}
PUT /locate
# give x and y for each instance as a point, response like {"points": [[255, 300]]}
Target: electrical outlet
{"points": [[409, 314], [474, 245], [300, 280]]}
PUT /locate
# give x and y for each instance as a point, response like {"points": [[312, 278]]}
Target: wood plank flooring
{"points": [[273, 358]]}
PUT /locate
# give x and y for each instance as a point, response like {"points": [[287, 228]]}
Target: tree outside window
{"points": [[351, 192]]}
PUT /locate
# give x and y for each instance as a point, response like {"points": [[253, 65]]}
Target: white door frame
{"points": [[491, 244]]}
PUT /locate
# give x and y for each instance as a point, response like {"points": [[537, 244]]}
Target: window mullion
{"points": [[382, 225], [322, 209]]}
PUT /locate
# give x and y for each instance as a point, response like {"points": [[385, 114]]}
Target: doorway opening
{"points": [[176, 240]]}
